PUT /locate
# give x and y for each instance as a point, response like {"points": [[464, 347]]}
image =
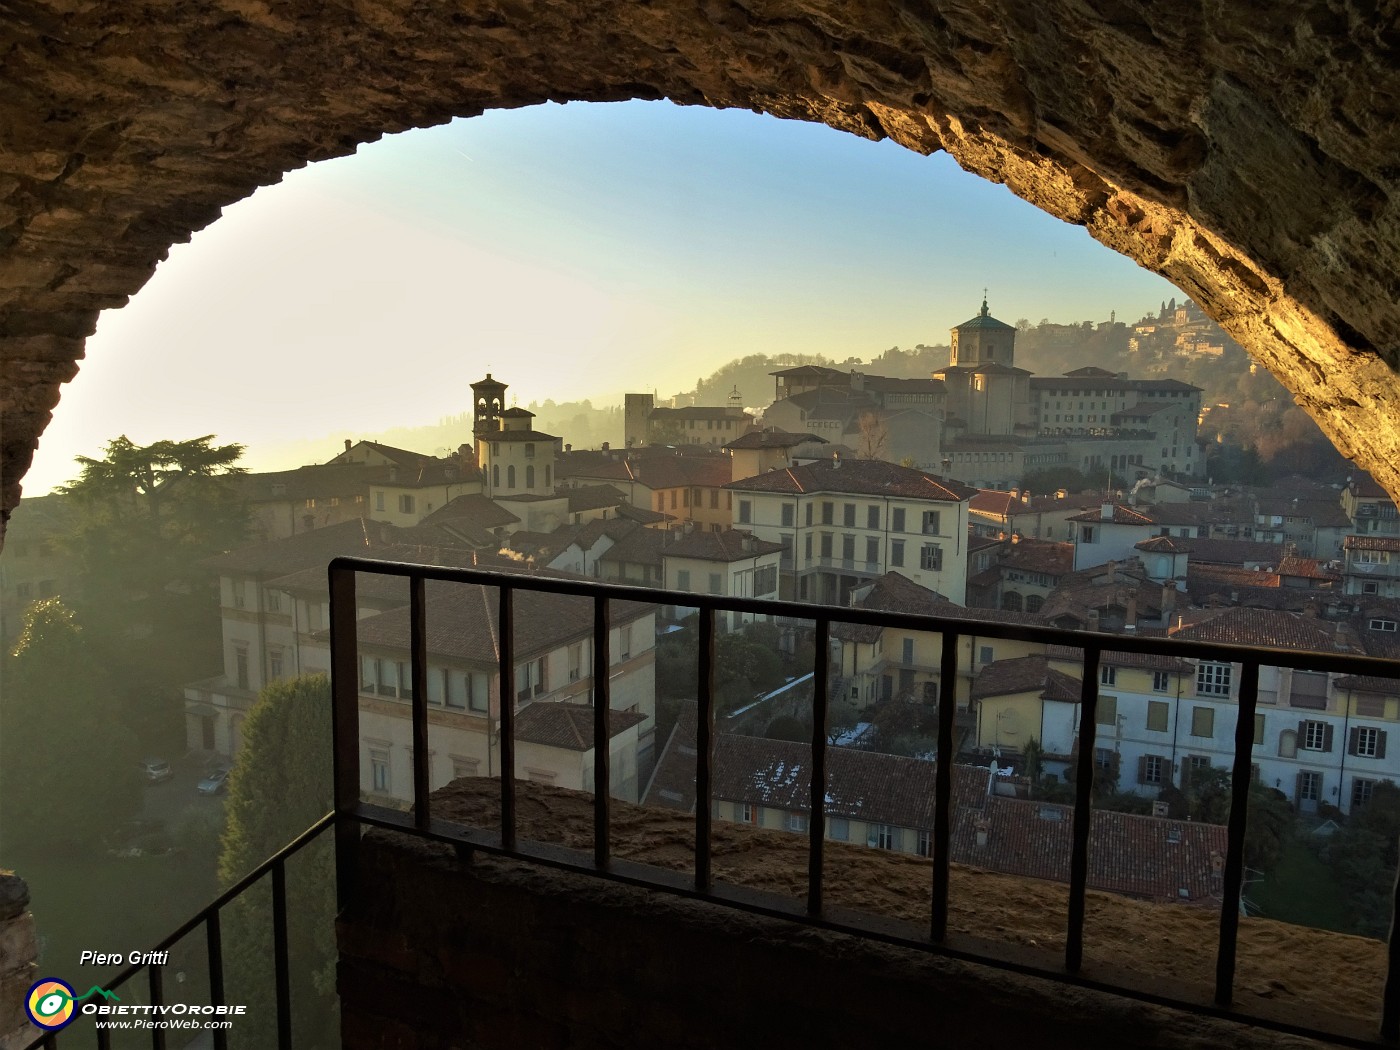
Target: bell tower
{"points": [[488, 399]]}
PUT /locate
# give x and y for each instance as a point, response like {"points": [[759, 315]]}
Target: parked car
{"points": [[214, 782], [156, 769]]}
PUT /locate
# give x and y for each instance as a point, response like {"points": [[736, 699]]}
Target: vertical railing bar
{"points": [[602, 733], [1390, 997], [104, 1040], [214, 942], [157, 985], [506, 714], [345, 729], [1240, 779], [704, 746], [941, 850], [816, 822], [1083, 808], [418, 671], [281, 966]]}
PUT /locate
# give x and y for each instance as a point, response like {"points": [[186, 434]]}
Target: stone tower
{"points": [[488, 399]]}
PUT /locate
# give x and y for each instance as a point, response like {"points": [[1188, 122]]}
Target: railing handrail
{"points": [[1219, 652]]}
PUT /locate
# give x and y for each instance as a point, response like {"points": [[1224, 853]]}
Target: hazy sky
{"points": [[575, 252]]}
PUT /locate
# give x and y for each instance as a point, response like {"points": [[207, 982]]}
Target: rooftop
{"points": [[862, 477]]}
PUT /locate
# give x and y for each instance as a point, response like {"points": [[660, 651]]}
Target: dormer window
{"points": [[1382, 625]]}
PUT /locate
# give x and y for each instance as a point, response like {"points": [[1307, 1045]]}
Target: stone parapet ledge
{"points": [[19, 955], [439, 951]]}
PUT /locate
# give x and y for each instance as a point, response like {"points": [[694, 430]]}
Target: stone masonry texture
{"points": [[1247, 151]]}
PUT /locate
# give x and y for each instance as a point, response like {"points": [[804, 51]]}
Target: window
{"points": [[1361, 791], [826, 545], [464, 767], [746, 812], [478, 692], [714, 493], [872, 517], [827, 511], [1108, 675], [1158, 713], [1193, 768], [789, 514], [379, 493], [575, 661], [1106, 711], [1309, 690], [848, 515], [838, 828], [986, 654], [274, 600], [797, 822], [765, 580], [883, 836], [808, 515], [379, 770], [1315, 736], [1366, 742], [746, 511], [897, 554], [1382, 625], [682, 579], [1258, 730], [406, 504], [510, 476], [240, 660], [1086, 534], [274, 664], [1152, 769], [716, 583], [1203, 721], [529, 450], [908, 651], [529, 475], [1370, 587], [1161, 681], [1309, 785], [1213, 679], [931, 523], [1370, 706], [923, 844], [897, 519], [931, 557], [624, 642]]}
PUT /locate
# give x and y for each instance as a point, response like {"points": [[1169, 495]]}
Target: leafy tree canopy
{"points": [[68, 770]]}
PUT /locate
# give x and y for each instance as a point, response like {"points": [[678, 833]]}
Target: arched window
{"points": [[510, 476], [1011, 601], [529, 475], [1033, 603]]}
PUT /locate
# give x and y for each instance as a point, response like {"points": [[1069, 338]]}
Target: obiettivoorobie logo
{"points": [[50, 1003]]}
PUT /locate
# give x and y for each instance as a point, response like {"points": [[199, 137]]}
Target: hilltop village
{"points": [[852, 490]]}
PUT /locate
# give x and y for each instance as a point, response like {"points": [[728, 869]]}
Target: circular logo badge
{"points": [[50, 1003]]}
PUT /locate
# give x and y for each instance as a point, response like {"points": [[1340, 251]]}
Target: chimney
{"points": [[606, 446], [836, 461], [1106, 512], [1160, 809], [1093, 619], [1131, 613], [568, 447], [347, 444], [982, 829]]}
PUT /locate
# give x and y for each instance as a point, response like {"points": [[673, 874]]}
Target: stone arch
{"points": [[1250, 161]]}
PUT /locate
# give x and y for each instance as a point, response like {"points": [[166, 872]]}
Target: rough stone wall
{"points": [[1247, 151], [19, 955], [437, 953]]}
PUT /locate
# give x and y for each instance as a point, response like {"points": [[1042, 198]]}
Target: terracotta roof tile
{"points": [[866, 477], [568, 726]]}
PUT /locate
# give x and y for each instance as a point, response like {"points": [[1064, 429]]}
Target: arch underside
{"points": [[1249, 156]]}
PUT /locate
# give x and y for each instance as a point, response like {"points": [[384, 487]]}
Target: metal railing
{"points": [[351, 814], [208, 917]]}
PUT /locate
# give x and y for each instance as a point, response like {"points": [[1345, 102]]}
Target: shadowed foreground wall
{"points": [[1245, 151], [438, 952]]}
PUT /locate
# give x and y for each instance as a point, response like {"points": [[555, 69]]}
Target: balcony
{"points": [[450, 910]]}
